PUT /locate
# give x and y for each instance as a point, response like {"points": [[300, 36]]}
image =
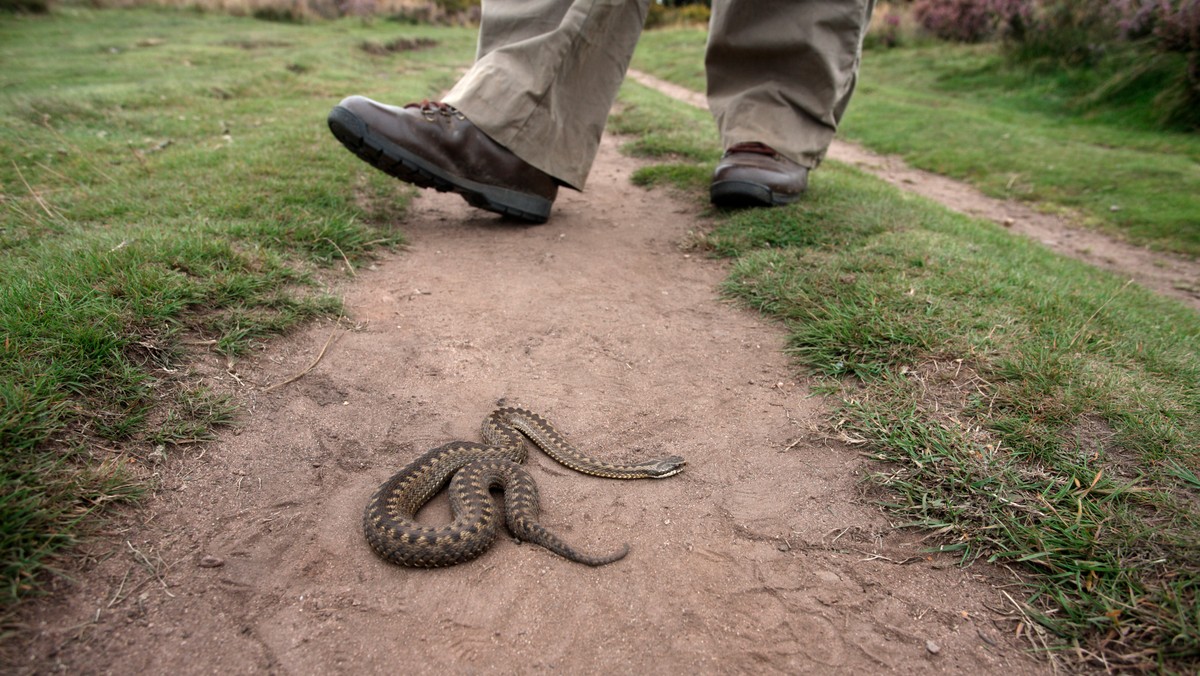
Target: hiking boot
{"points": [[754, 175], [433, 145]]}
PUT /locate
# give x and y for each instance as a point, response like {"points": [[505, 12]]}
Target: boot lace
{"points": [[431, 109]]}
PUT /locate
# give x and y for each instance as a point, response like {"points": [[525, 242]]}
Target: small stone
{"points": [[210, 561], [932, 647]]}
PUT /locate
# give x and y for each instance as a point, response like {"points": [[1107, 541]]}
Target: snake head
{"points": [[665, 467]]}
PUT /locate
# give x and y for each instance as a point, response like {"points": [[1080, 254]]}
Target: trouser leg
{"points": [[546, 76], [781, 72]]}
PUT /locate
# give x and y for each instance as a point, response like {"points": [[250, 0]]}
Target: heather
{"points": [[1116, 50]]}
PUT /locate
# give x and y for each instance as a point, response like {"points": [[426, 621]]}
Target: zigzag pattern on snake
{"points": [[472, 470]]}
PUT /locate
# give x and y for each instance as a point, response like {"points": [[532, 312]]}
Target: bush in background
{"points": [[25, 6], [1135, 55], [440, 12], [676, 13], [955, 20], [1140, 48], [1068, 32], [1170, 31], [892, 25]]}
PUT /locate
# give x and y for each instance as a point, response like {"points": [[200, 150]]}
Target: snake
{"points": [[472, 469]]}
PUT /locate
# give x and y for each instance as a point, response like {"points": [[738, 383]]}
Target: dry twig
{"points": [[149, 565], [339, 250], [1034, 632], [298, 376], [37, 197]]}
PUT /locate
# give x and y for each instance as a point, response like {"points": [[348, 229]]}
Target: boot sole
{"points": [[739, 194], [354, 133]]}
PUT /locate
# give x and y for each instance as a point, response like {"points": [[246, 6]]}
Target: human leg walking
{"points": [[780, 74], [528, 116]]}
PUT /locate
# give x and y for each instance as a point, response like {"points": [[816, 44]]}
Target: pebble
{"points": [[211, 561], [932, 647]]}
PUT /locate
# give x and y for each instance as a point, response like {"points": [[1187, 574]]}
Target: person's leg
{"points": [[543, 88], [527, 117], [780, 74]]}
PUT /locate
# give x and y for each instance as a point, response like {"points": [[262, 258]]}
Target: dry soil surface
{"points": [[763, 556]]}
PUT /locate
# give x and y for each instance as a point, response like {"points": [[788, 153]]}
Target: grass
{"points": [[1030, 410], [960, 111], [168, 181]]}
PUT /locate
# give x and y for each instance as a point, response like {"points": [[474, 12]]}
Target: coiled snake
{"points": [[473, 469]]}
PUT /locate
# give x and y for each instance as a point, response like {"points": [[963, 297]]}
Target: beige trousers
{"points": [[779, 72]]}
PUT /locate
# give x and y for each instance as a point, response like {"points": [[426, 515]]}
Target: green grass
{"points": [[960, 111], [1033, 411], [167, 175]]}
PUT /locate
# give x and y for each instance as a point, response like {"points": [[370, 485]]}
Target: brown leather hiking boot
{"points": [[432, 145], [754, 175]]}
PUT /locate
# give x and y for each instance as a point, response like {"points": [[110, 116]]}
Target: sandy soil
{"points": [[763, 556]]}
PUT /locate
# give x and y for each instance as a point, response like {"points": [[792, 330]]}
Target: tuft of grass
{"points": [[674, 54], [47, 501], [167, 175], [686, 177], [196, 413], [663, 132], [1016, 133], [1027, 408]]}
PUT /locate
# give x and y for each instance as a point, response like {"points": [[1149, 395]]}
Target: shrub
{"points": [[441, 12], [456, 6], [25, 6], [1071, 32], [281, 13], [1178, 28], [955, 20], [360, 8], [1012, 17], [1149, 48], [695, 14], [1172, 28], [892, 25], [677, 14]]}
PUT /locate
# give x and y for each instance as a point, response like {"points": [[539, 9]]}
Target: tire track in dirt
{"points": [[762, 556], [1170, 275]]}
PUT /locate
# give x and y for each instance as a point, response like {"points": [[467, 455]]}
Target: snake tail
{"points": [[522, 512]]}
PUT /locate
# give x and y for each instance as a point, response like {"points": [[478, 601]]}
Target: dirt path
{"points": [[1166, 274], [761, 557]]}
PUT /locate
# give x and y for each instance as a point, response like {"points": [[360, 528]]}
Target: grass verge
{"points": [[167, 180], [960, 111], [1031, 410]]}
